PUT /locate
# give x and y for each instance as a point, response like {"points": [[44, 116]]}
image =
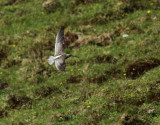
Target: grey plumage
{"points": [[59, 43], [59, 56]]}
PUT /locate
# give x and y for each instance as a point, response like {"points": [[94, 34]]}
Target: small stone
{"points": [[125, 35]]}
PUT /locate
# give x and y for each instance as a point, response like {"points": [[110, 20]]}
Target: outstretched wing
{"points": [[59, 43], [60, 64]]}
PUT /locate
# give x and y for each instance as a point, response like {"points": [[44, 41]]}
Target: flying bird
{"points": [[59, 56]]}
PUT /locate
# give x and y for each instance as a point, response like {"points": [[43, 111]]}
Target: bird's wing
{"points": [[60, 64], [59, 43]]}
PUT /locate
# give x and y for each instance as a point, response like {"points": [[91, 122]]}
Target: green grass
{"points": [[98, 87]]}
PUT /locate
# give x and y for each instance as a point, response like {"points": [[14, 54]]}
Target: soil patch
{"points": [[139, 67], [129, 120], [3, 113], [45, 91], [113, 73], [70, 38], [3, 53], [74, 79], [138, 102], [85, 1], [99, 79], [3, 86], [154, 96], [108, 74], [11, 2], [17, 102], [132, 5]]}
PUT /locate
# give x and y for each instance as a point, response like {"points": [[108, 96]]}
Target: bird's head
{"points": [[68, 55]]}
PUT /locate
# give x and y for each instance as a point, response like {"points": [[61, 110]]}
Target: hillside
{"points": [[114, 81]]}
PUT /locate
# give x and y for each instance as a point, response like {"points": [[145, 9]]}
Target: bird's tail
{"points": [[51, 60]]}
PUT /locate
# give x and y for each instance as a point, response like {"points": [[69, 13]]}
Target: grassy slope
{"points": [[92, 90]]}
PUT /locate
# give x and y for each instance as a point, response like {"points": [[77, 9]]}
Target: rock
{"points": [[125, 35]]}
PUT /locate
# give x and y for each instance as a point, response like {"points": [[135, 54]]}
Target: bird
{"points": [[59, 56]]}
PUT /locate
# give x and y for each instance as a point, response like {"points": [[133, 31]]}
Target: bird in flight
{"points": [[59, 56]]}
